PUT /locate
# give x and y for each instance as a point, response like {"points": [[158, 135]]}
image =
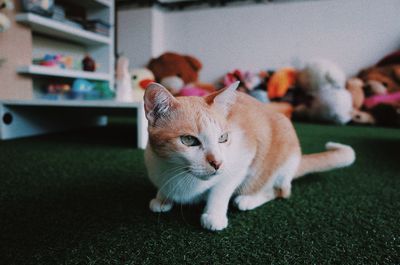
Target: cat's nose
{"points": [[215, 164]]}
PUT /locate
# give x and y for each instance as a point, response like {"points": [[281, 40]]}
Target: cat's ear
{"points": [[223, 99], [158, 102]]}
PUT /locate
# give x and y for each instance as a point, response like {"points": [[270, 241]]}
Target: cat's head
{"points": [[191, 132]]}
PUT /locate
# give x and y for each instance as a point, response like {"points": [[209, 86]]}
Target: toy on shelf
{"points": [[324, 81], [176, 71], [140, 79], [5, 22], [56, 60], [58, 88], [40, 7], [124, 90], [88, 64], [104, 90], [81, 88]]}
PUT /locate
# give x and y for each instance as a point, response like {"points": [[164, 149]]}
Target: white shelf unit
{"points": [[37, 70], [22, 118], [58, 29], [50, 36]]}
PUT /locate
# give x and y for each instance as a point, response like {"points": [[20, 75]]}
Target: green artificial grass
{"points": [[82, 198]]}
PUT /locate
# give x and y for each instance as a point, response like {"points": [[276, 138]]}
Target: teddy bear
{"points": [[379, 109], [381, 79], [179, 74], [131, 84], [324, 81], [356, 88]]}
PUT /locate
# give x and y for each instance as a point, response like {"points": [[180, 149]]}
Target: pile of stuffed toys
{"points": [[320, 91]]}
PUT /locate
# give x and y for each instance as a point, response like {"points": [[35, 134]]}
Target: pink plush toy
{"points": [[190, 90], [378, 99]]}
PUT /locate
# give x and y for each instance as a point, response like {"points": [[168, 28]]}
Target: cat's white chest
{"points": [[174, 182]]}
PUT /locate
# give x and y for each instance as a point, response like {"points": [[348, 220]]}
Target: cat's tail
{"points": [[336, 156]]}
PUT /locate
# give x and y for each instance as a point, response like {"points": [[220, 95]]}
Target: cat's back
{"points": [[250, 112], [262, 126]]}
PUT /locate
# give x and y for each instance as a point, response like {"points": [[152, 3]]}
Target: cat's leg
{"points": [[160, 204], [251, 201], [214, 215]]}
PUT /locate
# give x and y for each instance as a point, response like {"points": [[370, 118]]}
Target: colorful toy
{"points": [[373, 101], [82, 86], [56, 60], [175, 71], [104, 90], [281, 81], [325, 83], [58, 88], [140, 79], [248, 80], [250, 83]]}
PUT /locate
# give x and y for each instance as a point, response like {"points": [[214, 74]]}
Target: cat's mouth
{"points": [[204, 175]]}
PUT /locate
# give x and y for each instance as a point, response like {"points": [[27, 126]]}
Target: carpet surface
{"points": [[82, 198]]}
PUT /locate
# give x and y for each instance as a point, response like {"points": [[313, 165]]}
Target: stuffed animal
{"points": [[381, 79], [175, 71], [250, 83], [355, 86], [5, 23], [281, 81], [123, 80], [325, 83], [140, 79]]}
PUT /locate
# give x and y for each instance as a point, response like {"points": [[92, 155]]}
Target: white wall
{"points": [[352, 33], [134, 35]]}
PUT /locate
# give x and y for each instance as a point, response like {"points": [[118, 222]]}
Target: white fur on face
{"points": [[195, 156]]}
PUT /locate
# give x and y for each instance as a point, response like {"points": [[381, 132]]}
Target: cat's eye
{"points": [[223, 138], [190, 140]]}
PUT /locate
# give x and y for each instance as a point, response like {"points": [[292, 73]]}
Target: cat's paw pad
{"points": [[214, 222], [159, 206]]}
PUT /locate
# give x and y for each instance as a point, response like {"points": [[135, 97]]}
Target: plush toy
{"points": [[176, 71], [251, 83], [123, 80], [325, 83], [355, 86], [280, 82], [391, 98], [4, 23], [140, 79], [381, 79]]}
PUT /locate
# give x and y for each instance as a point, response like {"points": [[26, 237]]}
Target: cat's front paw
{"points": [[159, 206], [214, 222]]}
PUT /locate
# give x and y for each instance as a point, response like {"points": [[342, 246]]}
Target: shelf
{"points": [[63, 31], [53, 71], [106, 103], [104, 2]]}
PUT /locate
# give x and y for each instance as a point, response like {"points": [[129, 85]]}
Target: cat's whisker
{"points": [[172, 178], [177, 185], [172, 170]]}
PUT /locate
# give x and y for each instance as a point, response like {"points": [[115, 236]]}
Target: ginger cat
{"points": [[225, 145]]}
